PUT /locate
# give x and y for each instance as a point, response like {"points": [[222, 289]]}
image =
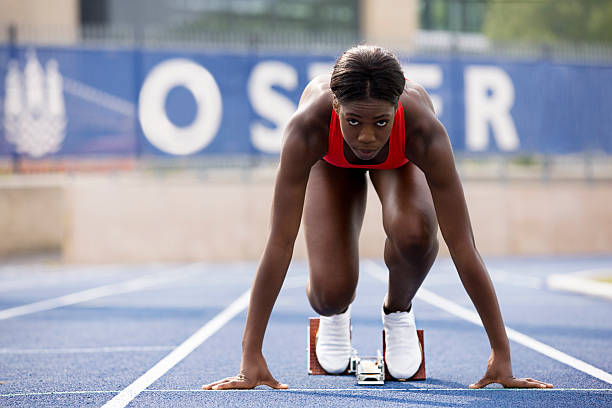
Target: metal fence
{"points": [[423, 42], [441, 53]]}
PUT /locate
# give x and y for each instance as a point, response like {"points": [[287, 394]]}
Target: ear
{"points": [[336, 105]]}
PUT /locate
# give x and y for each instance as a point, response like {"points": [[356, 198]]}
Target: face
{"points": [[366, 125]]}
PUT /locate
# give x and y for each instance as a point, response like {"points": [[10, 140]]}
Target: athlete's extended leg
{"points": [[333, 213], [409, 221]]}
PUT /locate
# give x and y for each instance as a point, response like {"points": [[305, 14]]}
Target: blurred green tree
{"points": [[549, 21]]}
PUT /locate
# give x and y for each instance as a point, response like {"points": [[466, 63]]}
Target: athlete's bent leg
{"points": [[409, 220], [410, 223], [333, 214]]}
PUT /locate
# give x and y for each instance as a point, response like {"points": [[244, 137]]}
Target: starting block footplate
{"points": [[314, 368]]}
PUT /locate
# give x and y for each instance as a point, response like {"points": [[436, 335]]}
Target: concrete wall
{"points": [[389, 23], [31, 217], [43, 21], [142, 219], [535, 218], [165, 220]]}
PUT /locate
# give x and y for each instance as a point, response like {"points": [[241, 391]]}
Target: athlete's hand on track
{"points": [[499, 371], [253, 372]]}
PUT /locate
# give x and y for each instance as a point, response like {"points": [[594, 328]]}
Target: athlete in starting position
{"points": [[366, 118]]}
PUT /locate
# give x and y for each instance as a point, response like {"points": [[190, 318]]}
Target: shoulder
{"points": [[308, 127], [417, 103], [423, 129], [316, 101]]}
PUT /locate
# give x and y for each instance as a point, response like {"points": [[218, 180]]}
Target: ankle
{"points": [[389, 310], [340, 313]]}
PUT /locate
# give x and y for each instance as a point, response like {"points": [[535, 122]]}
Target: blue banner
{"points": [[73, 102]]}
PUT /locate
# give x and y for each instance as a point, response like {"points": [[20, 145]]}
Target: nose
{"points": [[366, 135]]}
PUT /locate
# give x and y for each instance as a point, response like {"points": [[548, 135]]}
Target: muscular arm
{"points": [[288, 203], [435, 157], [428, 146], [305, 142]]}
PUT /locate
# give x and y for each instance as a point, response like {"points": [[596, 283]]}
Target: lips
{"points": [[366, 154]]}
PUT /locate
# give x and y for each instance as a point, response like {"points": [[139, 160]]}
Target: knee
{"points": [[414, 236], [331, 298]]}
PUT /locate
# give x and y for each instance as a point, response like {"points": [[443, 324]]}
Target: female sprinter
{"points": [[367, 119]]}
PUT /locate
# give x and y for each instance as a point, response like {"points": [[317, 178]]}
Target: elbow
{"points": [[282, 244], [464, 254]]}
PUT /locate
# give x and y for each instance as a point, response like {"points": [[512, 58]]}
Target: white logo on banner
{"points": [[270, 104], [489, 98], [158, 129], [34, 110]]}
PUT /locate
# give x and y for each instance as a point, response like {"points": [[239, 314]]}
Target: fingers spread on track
{"points": [[276, 385], [216, 383]]}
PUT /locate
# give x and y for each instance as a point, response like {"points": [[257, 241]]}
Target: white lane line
{"points": [[581, 282], [34, 282], [27, 394], [53, 277], [371, 388], [362, 389], [179, 353], [77, 350], [380, 273], [292, 282], [94, 293], [515, 279]]}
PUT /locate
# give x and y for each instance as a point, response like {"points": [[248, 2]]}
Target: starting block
{"points": [[314, 368], [420, 374], [368, 370]]}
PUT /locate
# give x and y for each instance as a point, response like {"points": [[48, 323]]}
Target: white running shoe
{"points": [[403, 350], [334, 342]]}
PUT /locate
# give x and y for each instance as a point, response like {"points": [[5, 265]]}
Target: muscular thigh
{"points": [[408, 210], [333, 214]]}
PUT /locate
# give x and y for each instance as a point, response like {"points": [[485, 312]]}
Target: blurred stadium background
{"points": [[149, 130]]}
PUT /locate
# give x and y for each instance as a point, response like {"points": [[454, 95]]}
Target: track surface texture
{"points": [[151, 335]]}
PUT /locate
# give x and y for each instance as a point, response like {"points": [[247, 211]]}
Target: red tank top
{"points": [[397, 145]]}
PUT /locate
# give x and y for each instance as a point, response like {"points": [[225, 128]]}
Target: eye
{"points": [[382, 123], [352, 122]]}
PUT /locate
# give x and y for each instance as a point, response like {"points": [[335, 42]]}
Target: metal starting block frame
{"points": [[368, 370]]}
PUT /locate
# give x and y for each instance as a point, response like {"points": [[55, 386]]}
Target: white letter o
{"points": [[157, 128]]}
